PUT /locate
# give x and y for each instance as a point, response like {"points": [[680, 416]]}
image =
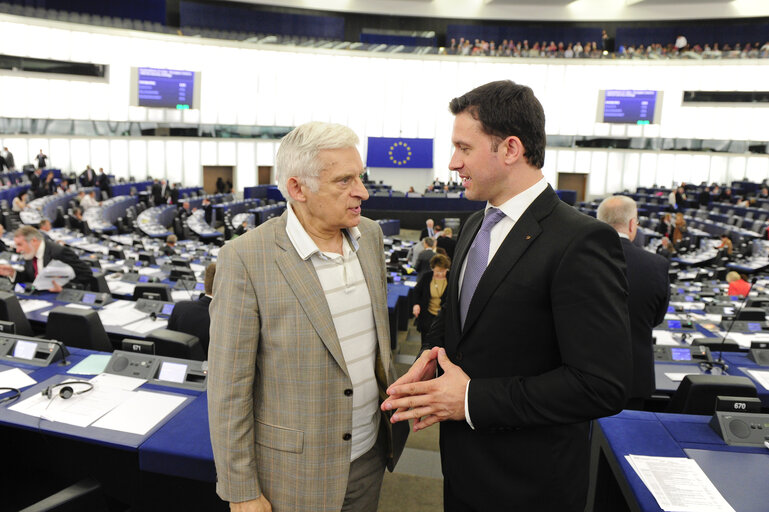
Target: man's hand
{"points": [[415, 310], [55, 287], [260, 504], [432, 400], [6, 270]]}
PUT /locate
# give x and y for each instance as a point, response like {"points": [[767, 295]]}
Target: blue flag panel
{"points": [[398, 152]]}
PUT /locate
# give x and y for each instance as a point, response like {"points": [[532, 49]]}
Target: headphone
{"points": [[16, 394], [66, 389]]}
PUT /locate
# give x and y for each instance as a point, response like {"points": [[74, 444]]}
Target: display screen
{"points": [[89, 298], [671, 309], [167, 309], [143, 279], [754, 326], [681, 354], [689, 298], [200, 287], [630, 106], [25, 349], [166, 88], [674, 324], [173, 372]]}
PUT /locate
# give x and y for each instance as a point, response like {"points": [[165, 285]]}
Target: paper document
{"points": [[678, 484], [179, 295], [15, 379], [121, 287], [140, 413], [81, 410], [664, 337], [54, 271], [146, 325], [29, 305], [760, 376], [678, 377], [120, 312], [91, 365]]}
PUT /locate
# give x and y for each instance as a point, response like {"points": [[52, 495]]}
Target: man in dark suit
{"points": [[649, 293], [428, 230], [447, 242], [88, 177], [102, 182], [38, 253], [208, 210], [191, 316], [536, 316]]}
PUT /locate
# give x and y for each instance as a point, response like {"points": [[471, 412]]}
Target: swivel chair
{"points": [[80, 328]]}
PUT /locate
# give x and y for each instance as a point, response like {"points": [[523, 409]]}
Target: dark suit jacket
{"points": [[208, 213], [103, 182], [88, 178], [34, 184], [191, 317], [421, 296], [423, 261], [547, 346], [449, 244], [54, 251], [423, 234], [649, 292]]}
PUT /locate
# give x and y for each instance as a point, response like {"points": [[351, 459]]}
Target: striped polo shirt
{"points": [[348, 299]]}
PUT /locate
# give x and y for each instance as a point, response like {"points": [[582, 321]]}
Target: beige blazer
{"points": [[278, 412]]}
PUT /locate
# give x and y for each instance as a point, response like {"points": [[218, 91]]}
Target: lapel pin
{"points": [[528, 237]]}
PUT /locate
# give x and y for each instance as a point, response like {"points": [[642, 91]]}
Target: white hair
{"points": [[298, 152], [617, 211]]}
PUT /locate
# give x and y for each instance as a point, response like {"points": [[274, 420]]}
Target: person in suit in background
{"points": [[41, 159], [447, 242], [8, 157], [170, 248], [3, 247], [429, 293], [173, 193], [38, 253], [428, 230], [102, 181], [88, 177], [76, 220], [191, 316], [208, 210], [49, 185], [423, 260], [159, 190], [649, 293], [220, 185], [533, 342], [300, 345], [666, 249], [36, 183]]}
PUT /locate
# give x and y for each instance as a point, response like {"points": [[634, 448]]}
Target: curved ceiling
{"points": [[541, 10]]}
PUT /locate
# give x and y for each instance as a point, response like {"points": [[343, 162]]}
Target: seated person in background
{"points": [[679, 230], [20, 202], [738, 286], [242, 228], [666, 248], [423, 261], [45, 228], [49, 186], [63, 187], [411, 190], [170, 248], [38, 253], [428, 230], [743, 202], [430, 293], [3, 247], [665, 226], [88, 200], [414, 253], [208, 210], [191, 316], [76, 219], [726, 248], [447, 242], [764, 194]]}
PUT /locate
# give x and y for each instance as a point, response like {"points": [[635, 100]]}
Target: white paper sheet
{"points": [[140, 413], [15, 378], [54, 271], [678, 484], [678, 377], [120, 313], [760, 376], [121, 288], [664, 337], [29, 305], [146, 325], [179, 295]]}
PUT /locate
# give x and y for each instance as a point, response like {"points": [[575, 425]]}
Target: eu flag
{"points": [[398, 152]]}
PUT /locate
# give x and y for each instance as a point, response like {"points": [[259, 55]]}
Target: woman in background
{"points": [[737, 284], [430, 293]]}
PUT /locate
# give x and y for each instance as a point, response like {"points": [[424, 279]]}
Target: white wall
{"points": [[376, 95]]}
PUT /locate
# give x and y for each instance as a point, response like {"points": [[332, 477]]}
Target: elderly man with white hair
{"points": [[648, 292], [299, 356]]}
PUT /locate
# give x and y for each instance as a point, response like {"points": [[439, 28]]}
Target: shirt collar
{"points": [[623, 235], [516, 205], [305, 246], [40, 250]]}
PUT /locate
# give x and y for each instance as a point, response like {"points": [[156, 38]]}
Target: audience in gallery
{"points": [[591, 49]]}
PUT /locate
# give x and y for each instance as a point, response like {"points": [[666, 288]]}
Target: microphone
{"points": [[64, 352], [720, 362]]}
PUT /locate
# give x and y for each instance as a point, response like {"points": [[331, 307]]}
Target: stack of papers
{"points": [[113, 404], [760, 376], [678, 484], [29, 305], [120, 313], [15, 379]]}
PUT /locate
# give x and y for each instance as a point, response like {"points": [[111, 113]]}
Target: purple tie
{"points": [[477, 260]]}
